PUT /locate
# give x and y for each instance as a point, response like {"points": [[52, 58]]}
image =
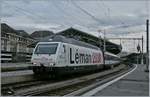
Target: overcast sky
{"points": [[119, 18]]}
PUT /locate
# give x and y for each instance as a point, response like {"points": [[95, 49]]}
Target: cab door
{"points": [[62, 55]]}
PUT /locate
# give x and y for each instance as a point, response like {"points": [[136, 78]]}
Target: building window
{"points": [[2, 44], [5, 45]]}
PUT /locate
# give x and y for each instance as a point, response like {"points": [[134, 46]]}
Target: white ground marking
{"points": [[94, 91]]}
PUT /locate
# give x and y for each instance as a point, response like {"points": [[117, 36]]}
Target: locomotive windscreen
{"points": [[46, 48]]}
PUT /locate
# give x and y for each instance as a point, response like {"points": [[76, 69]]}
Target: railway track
{"points": [[91, 89], [83, 87], [63, 87], [11, 88]]}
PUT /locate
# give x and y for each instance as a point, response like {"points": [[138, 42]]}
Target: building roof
{"points": [[41, 34], [7, 29], [91, 39], [60, 38], [24, 34], [87, 38]]}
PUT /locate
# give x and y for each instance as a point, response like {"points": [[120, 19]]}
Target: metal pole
{"points": [[104, 41], [104, 46], [147, 46], [101, 43], [142, 52]]}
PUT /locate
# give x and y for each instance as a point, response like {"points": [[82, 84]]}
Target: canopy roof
{"points": [[91, 39]]}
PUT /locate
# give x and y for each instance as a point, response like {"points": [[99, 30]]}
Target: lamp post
{"points": [[147, 46], [142, 52]]}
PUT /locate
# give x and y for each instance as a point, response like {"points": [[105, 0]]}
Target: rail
{"points": [[50, 88]]}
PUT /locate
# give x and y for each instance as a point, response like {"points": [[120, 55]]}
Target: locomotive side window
{"points": [[46, 48]]}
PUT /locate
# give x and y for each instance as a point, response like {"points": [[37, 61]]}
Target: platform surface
{"points": [[14, 66], [134, 84]]}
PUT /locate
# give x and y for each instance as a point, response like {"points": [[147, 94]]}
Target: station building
{"points": [[14, 42]]}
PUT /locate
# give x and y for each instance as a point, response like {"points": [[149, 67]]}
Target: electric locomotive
{"points": [[60, 55]]}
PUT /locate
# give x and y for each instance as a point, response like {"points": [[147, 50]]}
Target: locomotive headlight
{"points": [[34, 63], [51, 64]]}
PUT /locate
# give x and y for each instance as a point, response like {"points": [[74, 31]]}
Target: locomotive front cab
{"points": [[44, 56]]}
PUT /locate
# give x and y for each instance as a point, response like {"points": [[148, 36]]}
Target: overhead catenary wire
{"points": [[66, 14], [29, 14], [25, 11], [123, 25], [87, 13], [36, 17], [78, 19], [108, 10], [62, 11]]}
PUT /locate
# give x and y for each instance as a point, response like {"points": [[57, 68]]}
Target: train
{"points": [[59, 55]]}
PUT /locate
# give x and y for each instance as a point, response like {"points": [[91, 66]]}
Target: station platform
{"points": [[134, 84], [22, 64], [14, 66]]}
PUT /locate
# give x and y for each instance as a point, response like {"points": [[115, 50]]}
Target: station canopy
{"points": [[91, 39], [87, 38]]}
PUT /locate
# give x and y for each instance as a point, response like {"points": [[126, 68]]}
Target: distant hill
{"points": [[41, 34]]}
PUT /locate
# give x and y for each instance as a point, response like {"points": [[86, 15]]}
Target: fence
{"points": [[15, 57]]}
